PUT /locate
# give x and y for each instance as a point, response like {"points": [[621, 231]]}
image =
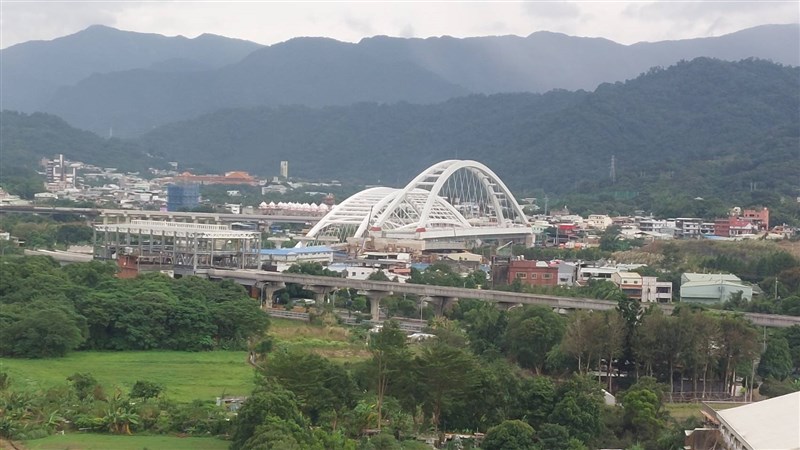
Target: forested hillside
{"points": [[101, 78], [724, 132], [705, 128], [28, 138], [33, 71]]}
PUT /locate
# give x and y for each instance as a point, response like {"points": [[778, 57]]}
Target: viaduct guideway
{"points": [[111, 216], [442, 296]]}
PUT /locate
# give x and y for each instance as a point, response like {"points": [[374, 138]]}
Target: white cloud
{"points": [[271, 22], [552, 9]]}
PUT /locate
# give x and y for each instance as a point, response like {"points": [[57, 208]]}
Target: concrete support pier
{"points": [[375, 298]]}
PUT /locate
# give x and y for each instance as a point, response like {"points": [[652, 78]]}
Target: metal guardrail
{"points": [[288, 314]]}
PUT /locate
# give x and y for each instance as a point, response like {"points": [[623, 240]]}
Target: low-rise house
{"points": [[654, 291], [567, 273], [629, 282], [595, 273], [534, 273], [598, 221]]}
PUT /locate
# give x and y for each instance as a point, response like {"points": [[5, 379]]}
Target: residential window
{"points": [[533, 276], [522, 275], [546, 276]]}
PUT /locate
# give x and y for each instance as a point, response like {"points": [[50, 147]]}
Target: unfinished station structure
{"points": [[185, 248]]}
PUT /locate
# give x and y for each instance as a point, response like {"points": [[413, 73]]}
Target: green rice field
{"points": [[186, 375], [87, 441]]}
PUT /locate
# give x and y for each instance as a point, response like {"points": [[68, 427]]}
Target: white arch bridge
{"points": [[450, 200]]}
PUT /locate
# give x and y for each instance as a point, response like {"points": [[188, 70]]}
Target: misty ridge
{"points": [[102, 78]]}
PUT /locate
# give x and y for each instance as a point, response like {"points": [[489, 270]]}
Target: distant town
{"points": [[392, 252]]}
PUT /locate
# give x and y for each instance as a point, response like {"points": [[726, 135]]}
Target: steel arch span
{"points": [[449, 195]]}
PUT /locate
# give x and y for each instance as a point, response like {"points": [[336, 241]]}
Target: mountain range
{"points": [[665, 120], [723, 131], [103, 79]]}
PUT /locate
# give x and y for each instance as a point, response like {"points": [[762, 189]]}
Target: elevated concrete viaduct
{"points": [[444, 296]]}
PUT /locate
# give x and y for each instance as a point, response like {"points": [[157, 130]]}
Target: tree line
{"points": [[47, 310]]}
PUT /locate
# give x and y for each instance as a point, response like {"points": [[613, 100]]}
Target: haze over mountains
{"points": [[705, 128], [667, 120], [102, 78]]}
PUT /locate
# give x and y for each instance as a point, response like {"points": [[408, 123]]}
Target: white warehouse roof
{"points": [[772, 424]]}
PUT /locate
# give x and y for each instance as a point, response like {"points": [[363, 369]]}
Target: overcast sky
{"points": [[271, 22]]}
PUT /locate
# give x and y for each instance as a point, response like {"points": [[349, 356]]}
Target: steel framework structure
{"points": [[190, 245], [457, 195]]}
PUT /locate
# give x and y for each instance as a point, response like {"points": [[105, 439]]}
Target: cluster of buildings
{"points": [[564, 273], [169, 191], [575, 230], [694, 287]]}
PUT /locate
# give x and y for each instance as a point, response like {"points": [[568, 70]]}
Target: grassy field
{"points": [[186, 375], [682, 411], [85, 441], [334, 342]]}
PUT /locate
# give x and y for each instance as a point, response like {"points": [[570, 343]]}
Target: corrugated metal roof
{"points": [[772, 424], [296, 250]]}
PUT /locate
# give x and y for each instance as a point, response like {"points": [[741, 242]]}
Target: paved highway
{"points": [[252, 276]]}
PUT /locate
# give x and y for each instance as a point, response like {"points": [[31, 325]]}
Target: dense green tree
{"points": [[579, 408], [269, 403], [84, 384], [145, 390], [790, 306], [43, 332], [91, 274], [447, 375], [792, 336], [510, 435], [381, 441], [738, 344], [378, 275], [485, 325], [321, 387], [776, 361], [312, 268], [440, 274], [552, 437], [389, 349], [641, 407], [498, 383], [531, 333], [579, 337], [537, 397]]}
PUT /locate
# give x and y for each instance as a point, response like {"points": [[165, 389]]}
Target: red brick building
{"points": [[758, 217], [740, 223], [534, 273]]}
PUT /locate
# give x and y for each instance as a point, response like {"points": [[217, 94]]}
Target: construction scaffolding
{"points": [[187, 246]]}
